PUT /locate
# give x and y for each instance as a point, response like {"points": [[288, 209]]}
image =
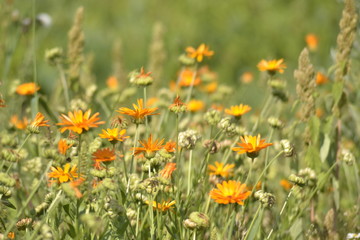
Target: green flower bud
{"points": [[197, 221], [347, 157], [6, 180], [265, 198], [24, 224], [5, 191], [213, 117], [188, 139], [54, 56], [287, 147], [297, 180], [275, 123], [184, 59]]}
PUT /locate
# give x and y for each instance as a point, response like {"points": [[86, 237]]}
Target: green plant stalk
{"points": [[64, 86], [177, 137], [189, 172], [146, 118], [192, 84], [79, 156], [252, 222], [267, 157], [134, 146], [22, 145]]}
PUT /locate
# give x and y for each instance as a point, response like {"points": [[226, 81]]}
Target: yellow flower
{"points": [[187, 78], [149, 147], [195, 105], [63, 175], [27, 88], [312, 41], [200, 52], [114, 135], [139, 112], [151, 101], [321, 79], [238, 111], [230, 192], [272, 66], [162, 207], [211, 87], [79, 121], [168, 170], [63, 146], [39, 121], [221, 170], [251, 145], [103, 155]]}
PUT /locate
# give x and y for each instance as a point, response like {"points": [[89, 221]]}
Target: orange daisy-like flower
{"points": [[162, 207], [177, 103], [251, 145], [139, 112], [238, 111], [19, 124], [63, 146], [221, 170], [272, 66], [321, 79], [230, 192], [170, 146], [27, 88], [286, 184], [195, 105], [112, 82], [143, 74], [312, 41], [39, 121], [151, 101], [103, 156], [68, 174], [149, 147], [2, 102], [200, 52], [247, 77], [114, 135], [187, 78], [79, 121], [211, 87], [168, 170], [74, 185]]}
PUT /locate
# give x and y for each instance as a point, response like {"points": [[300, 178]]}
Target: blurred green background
{"points": [[241, 32]]}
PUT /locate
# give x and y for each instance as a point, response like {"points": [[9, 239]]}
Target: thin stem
{"points": [[64, 85], [134, 146], [146, 118], [252, 222], [18, 151], [192, 84], [79, 155], [189, 172]]}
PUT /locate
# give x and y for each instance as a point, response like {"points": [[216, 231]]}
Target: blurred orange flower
{"points": [[247, 77], [79, 121], [221, 170], [321, 79], [200, 52], [312, 41], [187, 77], [168, 170], [112, 82], [195, 105], [230, 192], [272, 66], [286, 184], [149, 147], [63, 175], [39, 121], [211, 87], [151, 101], [104, 155], [63, 146], [170, 146], [27, 88], [238, 110], [19, 124], [163, 206]]}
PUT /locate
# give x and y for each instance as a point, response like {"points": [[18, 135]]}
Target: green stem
{"points": [[189, 172], [18, 151], [267, 156], [79, 156], [64, 85], [134, 146], [192, 84], [252, 222], [146, 118]]}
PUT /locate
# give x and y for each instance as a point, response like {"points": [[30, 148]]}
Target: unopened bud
{"points": [[287, 147]]}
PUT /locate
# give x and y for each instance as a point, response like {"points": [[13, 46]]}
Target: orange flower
{"points": [[162, 207], [257, 186], [139, 112], [247, 77], [112, 82], [2, 101], [177, 103], [170, 146], [251, 145], [187, 77], [286, 184], [63, 146], [114, 135], [200, 52], [217, 107], [211, 87], [221, 170], [27, 88], [39, 121], [312, 41], [11, 235], [195, 105], [79, 121], [230, 192], [238, 111], [321, 79], [168, 170], [151, 101], [19, 124], [142, 73], [63, 175], [74, 185], [103, 155], [272, 66], [149, 147]]}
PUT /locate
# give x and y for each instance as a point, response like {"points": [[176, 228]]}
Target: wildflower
{"points": [[24, 223], [79, 121], [257, 186], [251, 145], [27, 88], [287, 147], [312, 41], [211, 87], [74, 185], [187, 78], [63, 146], [265, 198], [178, 106], [188, 139], [64, 175], [286, 184], [170, 146], [103, 155], [112, 82], [149, 147], [162, 207], [54, 56], [212, 117], [247, 77], [230, 192], [168, 170], [142, 78], [37, 122], [139, 113], [275, 123], [195, 105], [197, 220], [217, 107], [11, 235], [321, 79], [114, 135], [272, 66], [347, 157], [297, 180], [19, 124], [238, 111], [200, 52], [152, 101], [221, 170]]}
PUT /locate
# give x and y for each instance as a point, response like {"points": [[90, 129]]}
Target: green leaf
{"points": [[312, 158], [324, 150], [7, 203], [337, 91], [296, 229], [255, 228], [314, 125], [335, 184], [34, 105]]}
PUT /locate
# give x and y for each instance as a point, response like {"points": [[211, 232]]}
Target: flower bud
{"points": [[184, 59], [297, 180], [24, 224], [188, 139], [197, 221], [212, 117], [347, 157], [6, 180], [212, 145], [275, 123], [287, 147], [54, 56], [265, 198]]}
